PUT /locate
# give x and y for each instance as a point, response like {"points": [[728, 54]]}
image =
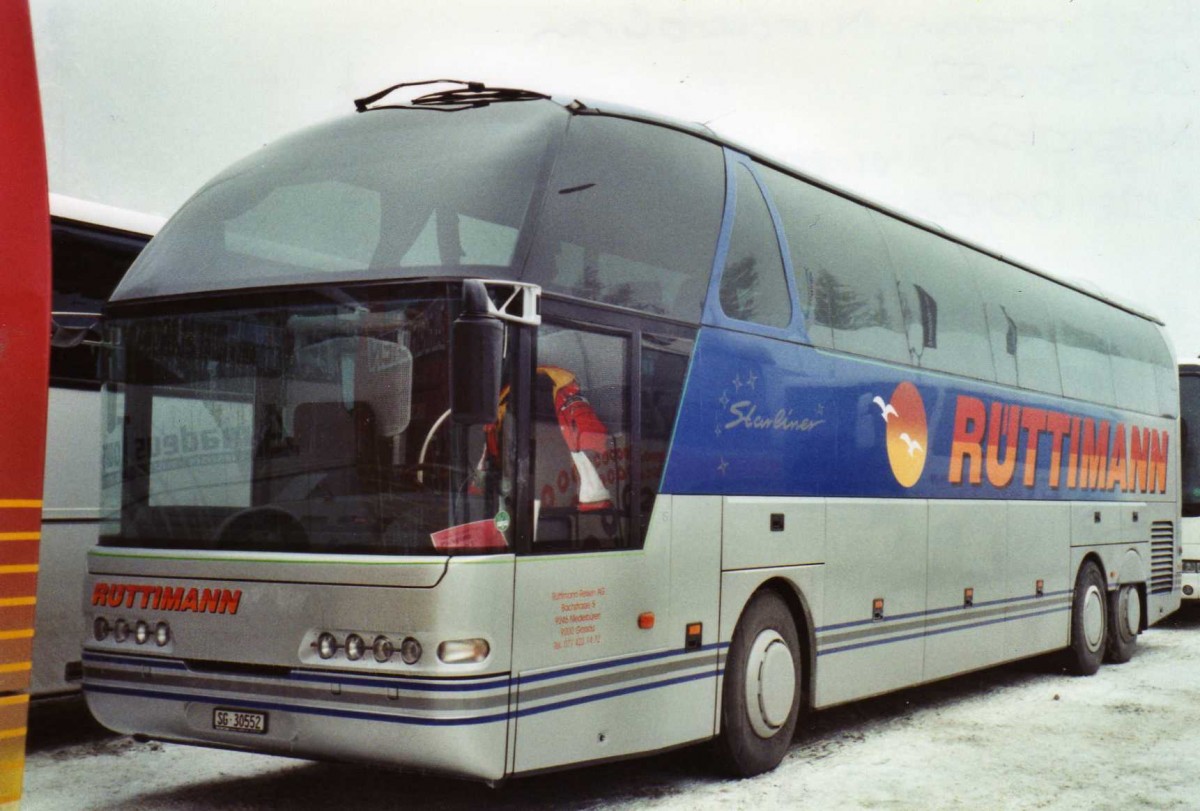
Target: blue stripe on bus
{"points": [[240, 702], [165, 664], [631, 660], [935, 611], [574, 702], [927, 633], [404, 683]]}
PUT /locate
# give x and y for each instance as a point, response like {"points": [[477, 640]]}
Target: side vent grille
{"points": [[1163, 577]]}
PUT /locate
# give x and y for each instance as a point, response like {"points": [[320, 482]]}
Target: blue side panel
{"points": [[762, 416]]}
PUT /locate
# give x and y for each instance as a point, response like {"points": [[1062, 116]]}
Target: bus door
{"points": [[591, 651]]}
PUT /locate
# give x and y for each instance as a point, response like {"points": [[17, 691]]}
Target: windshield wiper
{"points": [[470, 95]]}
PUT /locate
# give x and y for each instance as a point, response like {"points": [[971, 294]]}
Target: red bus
{"points": [[24, 321]]}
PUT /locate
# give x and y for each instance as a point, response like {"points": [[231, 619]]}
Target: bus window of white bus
{"points": [[1189, 423], [92, 246]]}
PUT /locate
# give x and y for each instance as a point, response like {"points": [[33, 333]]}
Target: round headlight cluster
{"points": [[141, 631], [355, 647]]}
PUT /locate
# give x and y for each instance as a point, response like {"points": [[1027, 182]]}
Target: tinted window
{"points": [[753, 284], [1019, 325], [581, 435], [847, 289], [631, 217], [1083, 343], [87, 264], [377, 195], [664, 365], [1137, 351], [943, 311]]}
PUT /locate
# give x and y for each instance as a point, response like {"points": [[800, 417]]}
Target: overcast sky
{"points": [[1059, 133]]}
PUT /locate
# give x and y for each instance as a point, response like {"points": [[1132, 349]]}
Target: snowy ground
{"points": [[1014, 737]]}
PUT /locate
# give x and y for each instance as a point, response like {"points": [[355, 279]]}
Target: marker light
{"points": [[141, 632], [326, 645], [383, 649], [121, 631], [162, 634], [459, 651], [101, 629], [410, 651], [355, 647]]}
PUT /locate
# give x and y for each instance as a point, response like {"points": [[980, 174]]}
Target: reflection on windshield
{"points": [[302, 428]]}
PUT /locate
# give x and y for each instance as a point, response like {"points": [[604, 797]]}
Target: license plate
{"points": [[240, 721]]}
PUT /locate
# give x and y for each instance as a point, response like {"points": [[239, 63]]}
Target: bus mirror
{"points": [[477, 343]]}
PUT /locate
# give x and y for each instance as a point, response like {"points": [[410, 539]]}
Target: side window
{"points": [[581, 434], [87, 264], [944, 314], [664, 365], [631, 217], [1019, 326], [753, 284], [1136, 352], [847, 289], [1083, 345]]}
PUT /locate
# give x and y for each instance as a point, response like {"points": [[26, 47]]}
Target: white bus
{"points": [[92, 246], [1189, 419], [489, 433]]}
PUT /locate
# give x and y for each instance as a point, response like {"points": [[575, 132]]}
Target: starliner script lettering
{"points": [[745, 416]]}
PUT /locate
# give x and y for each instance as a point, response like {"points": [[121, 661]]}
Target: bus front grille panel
{"points": [[1163, 577]]}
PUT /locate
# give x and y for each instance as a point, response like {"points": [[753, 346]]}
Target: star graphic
{"points": [[737, 383], [821, 410], [724, 401], [721, 468], [717, 430], [750, 378]]}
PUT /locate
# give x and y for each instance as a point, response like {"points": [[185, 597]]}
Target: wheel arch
{"points": [[793, 597]]}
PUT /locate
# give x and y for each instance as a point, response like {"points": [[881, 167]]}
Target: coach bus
{"points": [[1189, 422], [488, 433], [92, 245]]}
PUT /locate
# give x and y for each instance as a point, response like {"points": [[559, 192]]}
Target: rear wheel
{"points": [[1089, 621], [1124, 621], [760, 701]]}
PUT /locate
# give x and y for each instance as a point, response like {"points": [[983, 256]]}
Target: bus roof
{"points": [[109, 217], [702, 131]]}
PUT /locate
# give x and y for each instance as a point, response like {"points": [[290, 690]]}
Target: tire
{"points": [[1089, 621], [760, 701], [1124, 621]]}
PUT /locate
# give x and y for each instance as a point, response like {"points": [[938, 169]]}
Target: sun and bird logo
{"points": [[907, 432]]}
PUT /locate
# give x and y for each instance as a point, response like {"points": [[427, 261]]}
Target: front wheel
{"points": [[1089, 621], [760, 701], [1124, 622]]}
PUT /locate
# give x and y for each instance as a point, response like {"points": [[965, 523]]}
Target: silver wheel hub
{"points": [[770, 683], [1093, 618], [1129, 609]]}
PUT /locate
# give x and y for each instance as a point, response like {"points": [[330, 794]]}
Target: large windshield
{"points": [[1189, 413], [413, 193], [303, 425]]}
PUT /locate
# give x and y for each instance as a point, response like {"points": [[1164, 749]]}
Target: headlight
{"points": [[355, 647], [141, 632], [326, 645], [162, 634], [1191, 565], [410, 651], [121, 631], [460, 651], [383, 649], [101, 629]]}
